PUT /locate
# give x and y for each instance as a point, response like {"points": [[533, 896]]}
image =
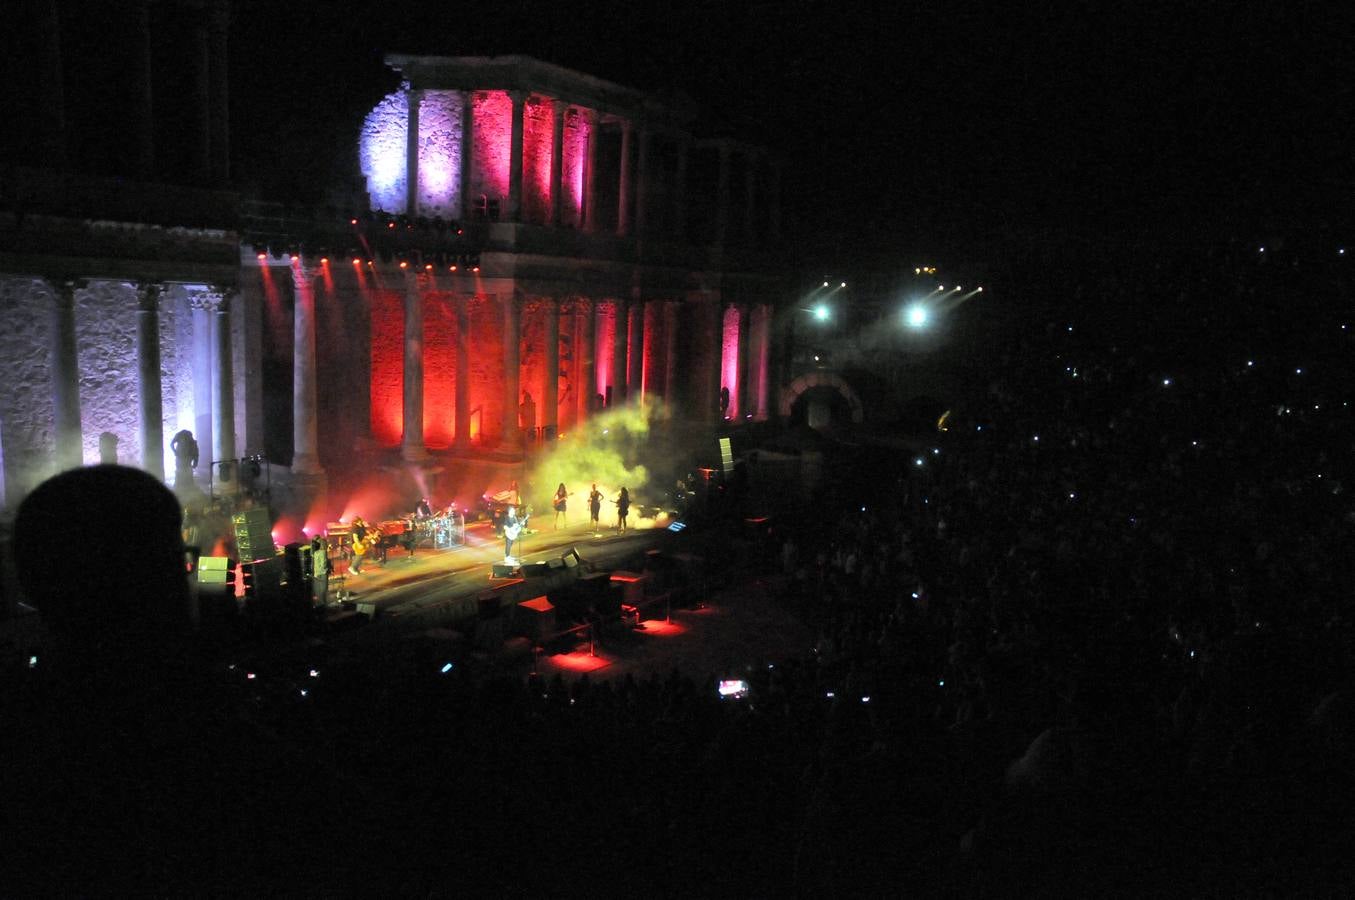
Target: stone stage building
{"points": [[535, 245]]}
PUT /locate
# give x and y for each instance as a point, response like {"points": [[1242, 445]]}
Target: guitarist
{"points": [[559, 504], [512, 530]]}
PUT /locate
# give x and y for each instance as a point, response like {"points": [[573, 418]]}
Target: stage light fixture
{"points": [[262, 257], [822, 312], [916, 315]]}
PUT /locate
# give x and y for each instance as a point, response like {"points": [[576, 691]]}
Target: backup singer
{"points": [[559, 503]]}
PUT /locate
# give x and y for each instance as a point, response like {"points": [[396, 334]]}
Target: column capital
{"points": [[559, 105], [518, 96], [207, 297], [148, 294]]}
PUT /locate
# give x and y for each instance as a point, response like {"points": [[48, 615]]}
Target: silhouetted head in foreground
{"points": [[99, 552]]}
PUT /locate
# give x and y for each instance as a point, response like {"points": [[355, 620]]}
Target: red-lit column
{"points": [[715, 352], [635, 352], [623, 204], [218, 91], [774, 202], [142, 112], [618, 370], [588, 379], [66, 379], [223, 388], [515, 163], [550, 399], [511, 439], [670, 350], [467, 166], [415, 100], [722, 198], [590, 197], [305, 455], [150, 399], [750, 198], [412, 447], [463, 373], [642, 193], [744, 401], [680, 190], [762, 377], [557, 159]]}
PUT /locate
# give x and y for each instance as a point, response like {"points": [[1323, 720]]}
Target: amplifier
{"points": [[253, 533]]}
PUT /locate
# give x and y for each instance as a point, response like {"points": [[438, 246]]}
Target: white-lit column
{"points": [[223, 387], [150, 395], [412, 448], [415, 100], [557, 158], [550, 399], [305, 455], [512, 336], [515, 162], [69, 452]]}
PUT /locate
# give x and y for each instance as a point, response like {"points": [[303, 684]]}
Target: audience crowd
{"points": [[1093, 637]]}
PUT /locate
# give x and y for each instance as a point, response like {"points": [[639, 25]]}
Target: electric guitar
{"points": [[512, 531]]}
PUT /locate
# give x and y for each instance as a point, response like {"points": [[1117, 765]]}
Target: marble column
{"points": [[467, 156], [590, 197], [619, 337], [623, 221], [722, 198], [670, 351], [680, 191], [69, 451], [201, 148], [218, 89], [223, 389], [744, 400], [412, 448], [557, 158], [588, 379], [762, 361], [150, 392], [642, 193], [550, 399], [519, 99], [774, 203], [511, 439], [462, 372], [414, 99], [143, 94], [51, 87], [715, 352], [305, 443], [635, 351], [750, 198]]}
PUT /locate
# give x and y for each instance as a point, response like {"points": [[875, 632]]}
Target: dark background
{"points": [[905, 127]]}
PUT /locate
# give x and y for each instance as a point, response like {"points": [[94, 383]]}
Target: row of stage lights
{"points": [[917, 314], [436, 262]]}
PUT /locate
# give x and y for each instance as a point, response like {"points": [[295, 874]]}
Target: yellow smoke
{"points": [[605, 450]]}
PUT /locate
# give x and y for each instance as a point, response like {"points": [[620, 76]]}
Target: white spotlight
{"points": [[917, 315], [821, 312]]}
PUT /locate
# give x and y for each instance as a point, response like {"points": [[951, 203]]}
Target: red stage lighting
{"points": [[262, 257], [295, 258], [475, 268], [356, 261], [324, 260], [403, 264], [451, 268], [428, 266]]}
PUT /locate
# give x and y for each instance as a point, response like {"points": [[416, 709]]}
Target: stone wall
{"points": [[27, 429], [106, 346]]}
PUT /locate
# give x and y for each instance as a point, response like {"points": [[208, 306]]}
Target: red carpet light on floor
{"points": [[579, 661], [660, 627]]}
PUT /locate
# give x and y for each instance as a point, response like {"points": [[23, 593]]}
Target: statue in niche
{"points": [[724, 402], [108, 449], [527, 414], [185, 448]]}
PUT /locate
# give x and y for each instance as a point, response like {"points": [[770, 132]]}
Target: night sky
{"points": [[901, 124]]}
